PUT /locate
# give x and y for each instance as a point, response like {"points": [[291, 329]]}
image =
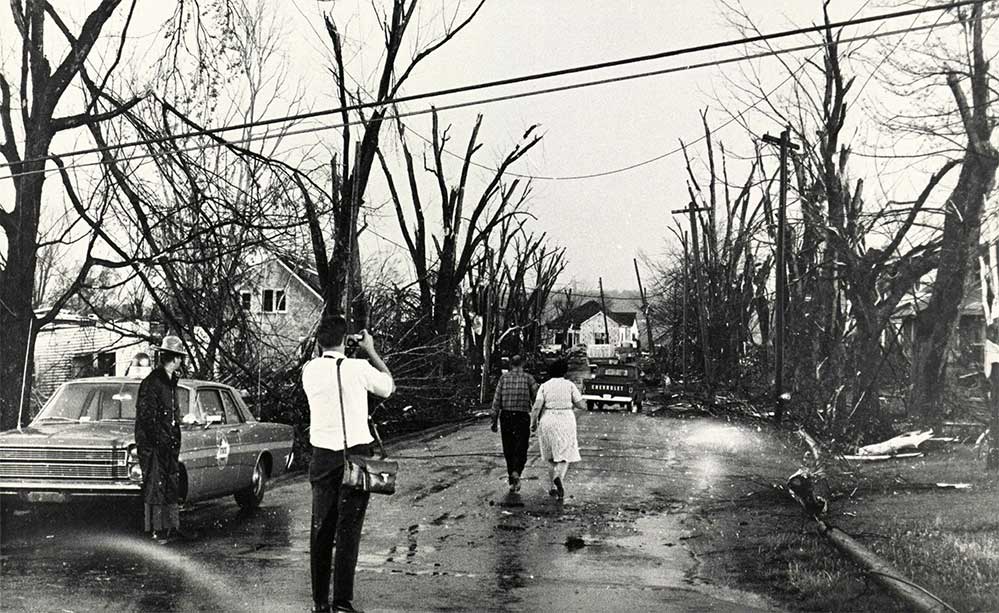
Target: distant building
{"points": [[285, 303], [584, 325], [76, 346], [967, 344]]}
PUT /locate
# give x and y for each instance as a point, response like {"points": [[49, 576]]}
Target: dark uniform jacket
{"points": [[157, 437]]}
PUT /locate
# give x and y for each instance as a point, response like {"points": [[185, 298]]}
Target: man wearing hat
{"points": [[157, 439]]}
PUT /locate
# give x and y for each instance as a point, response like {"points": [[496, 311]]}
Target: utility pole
{"points": [[603, 308], [645, 306], [784, 142], [702, 307], [683, 317], [354, 205]]}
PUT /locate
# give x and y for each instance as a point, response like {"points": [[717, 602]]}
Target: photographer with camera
{"points": [[338, 511]]}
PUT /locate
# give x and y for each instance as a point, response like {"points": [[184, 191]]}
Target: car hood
{"points": [[56, 434]]}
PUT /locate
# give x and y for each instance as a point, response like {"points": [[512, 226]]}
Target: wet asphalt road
{"points": [[451, 538]]}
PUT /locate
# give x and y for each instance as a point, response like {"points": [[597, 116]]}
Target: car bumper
{"points": [[607, 398], [63, 491]]}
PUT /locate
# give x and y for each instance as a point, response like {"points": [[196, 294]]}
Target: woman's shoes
{"points": [[559, 489]]}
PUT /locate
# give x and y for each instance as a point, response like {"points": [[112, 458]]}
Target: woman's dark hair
{"points": [[558, 368]]}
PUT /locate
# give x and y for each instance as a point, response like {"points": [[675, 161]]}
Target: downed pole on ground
{"points": [[802, 489]]}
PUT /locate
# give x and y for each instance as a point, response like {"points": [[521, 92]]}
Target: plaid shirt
{"points": [[514, 392]]}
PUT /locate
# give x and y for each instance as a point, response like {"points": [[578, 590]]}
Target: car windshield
{"points": [[92, 401]]}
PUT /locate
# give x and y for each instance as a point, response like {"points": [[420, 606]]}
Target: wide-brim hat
{"points": [[172, 344]]}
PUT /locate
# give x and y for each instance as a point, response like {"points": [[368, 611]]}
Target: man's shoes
{"points": [[345, 607], [321, 608], [514, 483], [559, 490]]}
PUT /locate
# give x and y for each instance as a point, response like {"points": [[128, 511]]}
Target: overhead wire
{"points": [[513, 81], [216, 144]]}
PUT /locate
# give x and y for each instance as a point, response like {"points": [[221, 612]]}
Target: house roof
{"points": [[304, 271], [577, 315], [917, 302], [588, 310], [623, 318]]}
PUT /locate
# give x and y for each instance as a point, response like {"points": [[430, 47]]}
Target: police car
{"points": [[82, 445]]}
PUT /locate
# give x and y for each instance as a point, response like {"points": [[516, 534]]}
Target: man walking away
{"points": [[512, 409], [157, 441], [338, 512]]}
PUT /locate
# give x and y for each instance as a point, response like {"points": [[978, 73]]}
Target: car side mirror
{"points": [[212, 419]]}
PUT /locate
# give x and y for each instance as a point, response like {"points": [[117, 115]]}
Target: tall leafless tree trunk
{"points": [[963, 221], [40, 90]]}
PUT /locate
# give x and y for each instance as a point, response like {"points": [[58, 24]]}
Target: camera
{"points": [[351, 342]]}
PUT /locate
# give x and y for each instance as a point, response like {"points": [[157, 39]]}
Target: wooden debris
{"points": [[884, 456], [954, 486], [909, 440]]}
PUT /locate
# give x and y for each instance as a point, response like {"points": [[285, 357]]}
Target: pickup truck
{"points": [[614, 384]]}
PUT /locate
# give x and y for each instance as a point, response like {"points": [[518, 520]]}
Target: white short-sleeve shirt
{"points": [[320, 383]]}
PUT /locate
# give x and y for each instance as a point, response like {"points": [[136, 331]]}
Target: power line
{"points": [[522, 79], [507, 97]]}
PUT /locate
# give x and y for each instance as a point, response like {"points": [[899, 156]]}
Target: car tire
{"points": [[589, 405], [252, 496]]}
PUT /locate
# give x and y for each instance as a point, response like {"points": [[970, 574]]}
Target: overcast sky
{"points": [[602, 222]]}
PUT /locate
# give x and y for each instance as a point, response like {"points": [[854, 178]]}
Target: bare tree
{"points": [[727, 224], [339, 261], [962, 222], [40, 90], [466, 225]]}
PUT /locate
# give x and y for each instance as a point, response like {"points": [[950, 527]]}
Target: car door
{"points": [[222, 472], [197, 446], [241, 450]]}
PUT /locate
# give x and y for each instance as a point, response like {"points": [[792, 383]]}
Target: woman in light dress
{"points": [[553, 413]]}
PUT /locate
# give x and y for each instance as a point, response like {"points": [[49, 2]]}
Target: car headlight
{"points": [[134, 470]]}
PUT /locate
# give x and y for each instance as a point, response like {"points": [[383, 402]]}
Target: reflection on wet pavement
{"points": [[451, 538]]}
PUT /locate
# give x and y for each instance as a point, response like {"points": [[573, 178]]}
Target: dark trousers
{"points": [[337, 517], [515, 428]]}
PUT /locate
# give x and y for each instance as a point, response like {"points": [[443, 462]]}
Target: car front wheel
{"points": [[251, 497]]}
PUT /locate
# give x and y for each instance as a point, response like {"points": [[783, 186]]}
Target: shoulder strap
{"points": [[343, 417]]}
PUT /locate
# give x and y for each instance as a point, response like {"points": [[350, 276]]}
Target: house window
{"points": [[83, 365], [106, 363], [245, 300], [274, 301]]}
